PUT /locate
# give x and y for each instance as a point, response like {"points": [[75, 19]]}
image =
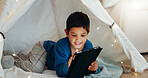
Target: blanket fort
{"points": [[25, 22]]}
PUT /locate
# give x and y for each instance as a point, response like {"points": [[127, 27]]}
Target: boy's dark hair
{"points": [[78, 19]]}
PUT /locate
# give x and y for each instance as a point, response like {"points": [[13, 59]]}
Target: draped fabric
{"points": [[1, 52], [131, 52], [109, 3], [12, 11], [25, 22]]}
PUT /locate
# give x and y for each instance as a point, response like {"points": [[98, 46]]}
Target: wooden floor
{"points": [[137, 75]]}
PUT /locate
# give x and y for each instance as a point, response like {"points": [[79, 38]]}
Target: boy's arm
{"points": [[62, 69], [61, 60]]}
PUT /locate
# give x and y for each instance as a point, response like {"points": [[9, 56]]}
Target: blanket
{"points": [[109, 68]]}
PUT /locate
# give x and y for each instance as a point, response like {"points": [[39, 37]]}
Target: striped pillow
{"points": [[35, 60]]}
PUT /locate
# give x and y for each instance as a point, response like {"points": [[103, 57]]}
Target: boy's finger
{"points": [[77, 50], [89, 67]]}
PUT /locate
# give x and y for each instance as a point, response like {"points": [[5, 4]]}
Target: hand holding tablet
{"points": [[81, 62]]}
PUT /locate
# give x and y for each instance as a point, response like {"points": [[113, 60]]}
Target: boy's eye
{"points": [[83, 35], [73, 35]]}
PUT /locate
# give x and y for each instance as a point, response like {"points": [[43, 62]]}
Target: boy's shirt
{"points": [[58, 55]]}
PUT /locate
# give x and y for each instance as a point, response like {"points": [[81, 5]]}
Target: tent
{"points": [[25, 22]]}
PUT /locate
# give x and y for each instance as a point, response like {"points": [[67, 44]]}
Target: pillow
{"points": [[34, 61], [26, 50]]}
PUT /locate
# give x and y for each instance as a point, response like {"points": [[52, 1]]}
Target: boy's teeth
{"points": [[77, 43]]}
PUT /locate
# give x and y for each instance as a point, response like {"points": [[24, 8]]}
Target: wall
{"points": [[132, 17]]}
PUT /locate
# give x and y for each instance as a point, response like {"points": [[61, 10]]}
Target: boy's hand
{"points": [[93, 66], [70, 60]]}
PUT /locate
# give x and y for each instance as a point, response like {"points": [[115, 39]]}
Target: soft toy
{"points": [[7, 60]]}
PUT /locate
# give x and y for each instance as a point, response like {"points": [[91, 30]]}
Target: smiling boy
{"points": [[59, 56]]}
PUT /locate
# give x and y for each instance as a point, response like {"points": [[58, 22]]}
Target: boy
{"points": [[59, 56]]}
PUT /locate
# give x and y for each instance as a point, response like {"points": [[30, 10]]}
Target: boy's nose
{"points": [[78, 38]]}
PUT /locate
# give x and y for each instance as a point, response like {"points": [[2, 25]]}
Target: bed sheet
{"points": [[16, 72]]}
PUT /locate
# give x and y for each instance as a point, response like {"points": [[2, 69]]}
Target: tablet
{"points": [[81, 61]]}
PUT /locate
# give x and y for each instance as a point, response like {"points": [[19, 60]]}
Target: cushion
{"points": [[27, 50], [7, 61], [34, 61]]}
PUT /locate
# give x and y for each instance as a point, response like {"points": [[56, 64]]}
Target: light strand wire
{"points": [[14, 54]]}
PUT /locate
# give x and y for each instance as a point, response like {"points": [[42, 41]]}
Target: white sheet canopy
{"points": [[24, 22], [10, 13]]}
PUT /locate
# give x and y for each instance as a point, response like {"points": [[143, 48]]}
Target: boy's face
{"points": [[77, 37]]}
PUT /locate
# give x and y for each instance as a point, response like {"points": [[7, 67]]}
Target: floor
{"points": [[133, 74]]}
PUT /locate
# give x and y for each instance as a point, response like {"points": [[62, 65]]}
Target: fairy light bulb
{"points": [[112, 45], [16, 0], [98, 28], [13, 54], [135, 74], [115, 41], [29, 77], [123, 64]]}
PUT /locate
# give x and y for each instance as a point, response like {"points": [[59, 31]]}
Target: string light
{"points": [[127, 71], [98, 28], [123, 65], [29, 76], [135, 74], [21, 61], [15, 55], [23, 65], [16, 0], [115, 40]]}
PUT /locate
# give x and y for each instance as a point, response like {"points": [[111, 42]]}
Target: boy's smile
{"points": [[77, 37]]}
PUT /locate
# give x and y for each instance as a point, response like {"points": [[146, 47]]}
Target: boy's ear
{"points": [[66, 32]]}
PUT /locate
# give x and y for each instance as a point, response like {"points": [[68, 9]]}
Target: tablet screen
{"points": [[81, 61]]}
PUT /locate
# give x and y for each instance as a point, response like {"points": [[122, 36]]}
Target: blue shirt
{"points": [[58, 55]]}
